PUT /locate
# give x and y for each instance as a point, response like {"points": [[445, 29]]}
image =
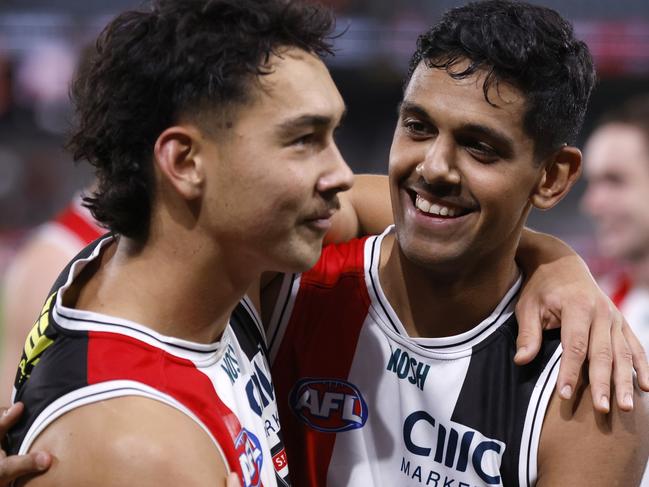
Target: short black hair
{"points": [[176, 58], [529, 46]]}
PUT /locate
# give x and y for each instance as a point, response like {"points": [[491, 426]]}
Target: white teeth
{"points": [[422, 204], [434, 209]]}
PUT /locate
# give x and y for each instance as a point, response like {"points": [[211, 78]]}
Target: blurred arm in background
{"points": [[30, 276]]}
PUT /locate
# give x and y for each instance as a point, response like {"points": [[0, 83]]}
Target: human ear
{"points": [[175, 154], [560, 172]]}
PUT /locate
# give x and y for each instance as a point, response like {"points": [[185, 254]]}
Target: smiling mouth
{"points": [[438, 209]]}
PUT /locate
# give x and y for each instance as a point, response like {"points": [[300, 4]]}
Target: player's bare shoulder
{"points": [[128, 441], [581, 447]]}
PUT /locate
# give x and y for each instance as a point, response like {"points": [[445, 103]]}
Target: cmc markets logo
{"points": [[329, 405], [251, 457], [453, 445]]}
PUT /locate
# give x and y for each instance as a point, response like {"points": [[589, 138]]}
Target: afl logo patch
{"points": [[251, 457], [328, 405]]}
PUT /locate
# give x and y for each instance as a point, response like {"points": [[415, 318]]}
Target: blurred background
{"points": [[41, 40]]}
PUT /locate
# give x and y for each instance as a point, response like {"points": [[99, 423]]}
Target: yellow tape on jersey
{"points": [[36, 341]]}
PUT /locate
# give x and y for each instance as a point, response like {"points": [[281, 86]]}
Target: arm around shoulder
{"points": [[128, 441], [561, 291], [581, 447], [364, 210]]}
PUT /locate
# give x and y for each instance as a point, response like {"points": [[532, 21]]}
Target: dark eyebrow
{"points": [[495, 136], [414, 108], [308, 120]]}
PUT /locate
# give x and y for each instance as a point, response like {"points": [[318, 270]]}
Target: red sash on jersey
{"points": [[621, 290], [78, 221], [332, 327]]}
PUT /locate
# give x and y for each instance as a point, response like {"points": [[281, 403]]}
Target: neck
{"points": [[184, 286], [438, 302]]}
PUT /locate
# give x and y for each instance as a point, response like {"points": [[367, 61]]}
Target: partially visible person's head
{"points": [[495, 97], [616, 165], [200, 61]]}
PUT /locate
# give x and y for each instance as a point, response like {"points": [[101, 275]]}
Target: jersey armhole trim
{"points": [[101, 392], [534, 418]]}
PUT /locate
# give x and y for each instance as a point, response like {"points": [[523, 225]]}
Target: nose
{"points": [[439, 164], [339, 176]]}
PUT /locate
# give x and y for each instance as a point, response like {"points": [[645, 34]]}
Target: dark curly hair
{"points": [[178, 58], [531, 47]]}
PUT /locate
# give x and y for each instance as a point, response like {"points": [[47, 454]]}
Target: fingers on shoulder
{"points": [[15, 466]]}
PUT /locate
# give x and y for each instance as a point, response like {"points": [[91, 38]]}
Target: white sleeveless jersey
{"points": [[74, 357], [363, 404]]}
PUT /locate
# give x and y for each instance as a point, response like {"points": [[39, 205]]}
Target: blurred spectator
{"points": [[42, 79], [5, 86], [30, 276], [617, 198], [37, 177], [52, 245]]}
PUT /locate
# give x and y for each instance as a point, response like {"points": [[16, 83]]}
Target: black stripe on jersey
{"points": [[271, 343], [251, 341], [534, 419], [252, 313], [250, 338], [134, 330], [61, 370], [376, 241], [495, 395]]}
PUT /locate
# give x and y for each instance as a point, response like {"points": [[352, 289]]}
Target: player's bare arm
{"points": [[581, 447], [128, 441], [365, 209], [559, 290]]}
